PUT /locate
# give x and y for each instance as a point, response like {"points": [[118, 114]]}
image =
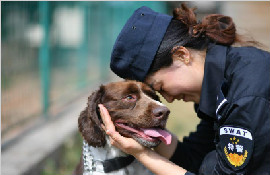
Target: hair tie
{"points": [[197, 30]]}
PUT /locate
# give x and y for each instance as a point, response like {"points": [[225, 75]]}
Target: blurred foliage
{"points": [[70, 154]]}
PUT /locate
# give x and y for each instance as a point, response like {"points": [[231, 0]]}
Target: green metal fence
{"points": [[53, 51]]}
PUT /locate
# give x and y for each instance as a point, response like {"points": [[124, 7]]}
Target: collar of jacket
{"points": [[213, 77]]}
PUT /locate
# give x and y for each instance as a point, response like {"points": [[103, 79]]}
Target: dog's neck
{"points": [[106, 152], [93, 157]]}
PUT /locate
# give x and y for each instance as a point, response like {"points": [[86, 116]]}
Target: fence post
{"points": [[83, 48], [105, 39], [44, 62]]}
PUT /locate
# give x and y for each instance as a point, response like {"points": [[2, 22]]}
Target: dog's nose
{"points": [[160, 111]]}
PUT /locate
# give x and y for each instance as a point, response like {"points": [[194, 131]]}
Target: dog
{"points": [[136, 112]]}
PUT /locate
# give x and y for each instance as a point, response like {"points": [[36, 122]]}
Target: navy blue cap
{"points": [[137, 43]]}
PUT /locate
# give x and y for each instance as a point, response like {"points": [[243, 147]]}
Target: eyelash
{"points": [[130, 97], [160, 88]]}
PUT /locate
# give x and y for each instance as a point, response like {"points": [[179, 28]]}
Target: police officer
{"points": [[230, 86]]}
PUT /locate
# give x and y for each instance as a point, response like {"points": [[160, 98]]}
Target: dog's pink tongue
{"points": [[163, 135]]}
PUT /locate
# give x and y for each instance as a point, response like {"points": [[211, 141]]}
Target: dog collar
{"points": [[103, 166]]}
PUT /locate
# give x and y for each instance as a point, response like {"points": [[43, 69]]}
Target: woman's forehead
{"points": [[154, 77]]}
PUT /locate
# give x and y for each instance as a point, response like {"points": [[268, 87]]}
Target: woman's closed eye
{"points": [[161, 89], [158, 87]]}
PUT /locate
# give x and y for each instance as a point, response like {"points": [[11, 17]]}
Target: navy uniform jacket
{"points": [[233, 136]]}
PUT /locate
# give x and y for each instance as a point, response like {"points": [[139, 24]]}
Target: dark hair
{"points": [[184, 30]]}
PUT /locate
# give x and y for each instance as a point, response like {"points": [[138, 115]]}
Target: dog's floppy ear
{"points": [[90, 122]]}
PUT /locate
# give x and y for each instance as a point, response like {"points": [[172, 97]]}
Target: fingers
{"points": [[119, 141], [103, 127], [108, 126], [106, 118], [115, 138], [128, 145]]}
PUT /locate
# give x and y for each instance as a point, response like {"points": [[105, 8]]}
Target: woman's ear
{"points": [[181, 53]]}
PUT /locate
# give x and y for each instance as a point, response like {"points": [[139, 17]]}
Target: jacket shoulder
{"points": [[247, 55], [248, 72]]}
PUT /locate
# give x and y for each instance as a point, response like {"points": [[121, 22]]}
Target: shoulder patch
{"points": [[237, 145]]}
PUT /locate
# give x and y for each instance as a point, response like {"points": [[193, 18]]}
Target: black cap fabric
{"points": [[137, 43]]}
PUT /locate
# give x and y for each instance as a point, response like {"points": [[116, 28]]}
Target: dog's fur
{"points": [[129, 103]]}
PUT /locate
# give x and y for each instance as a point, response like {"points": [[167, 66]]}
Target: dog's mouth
{"points": [[153, 135]]}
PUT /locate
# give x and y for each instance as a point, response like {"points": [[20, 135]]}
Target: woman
{"points": [[190, 61]]}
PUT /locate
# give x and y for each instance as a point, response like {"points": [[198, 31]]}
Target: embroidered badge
{"points": [[237, 144]]}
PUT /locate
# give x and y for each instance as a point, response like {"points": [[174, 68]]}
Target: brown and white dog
{"points": [[136, 111]]}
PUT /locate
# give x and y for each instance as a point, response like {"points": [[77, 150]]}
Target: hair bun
{"points": [[219, 28], [216, 27]]}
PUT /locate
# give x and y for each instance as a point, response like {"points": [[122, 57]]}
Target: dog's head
{"points": [[135, 109]]}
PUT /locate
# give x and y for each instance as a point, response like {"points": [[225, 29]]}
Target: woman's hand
{"points": [[128, 145], [154, 162]]}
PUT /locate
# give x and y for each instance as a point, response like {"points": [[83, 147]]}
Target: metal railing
{"points": [[53, 51]]}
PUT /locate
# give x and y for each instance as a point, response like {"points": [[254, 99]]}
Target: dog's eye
{"points": [[130, 97]]}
